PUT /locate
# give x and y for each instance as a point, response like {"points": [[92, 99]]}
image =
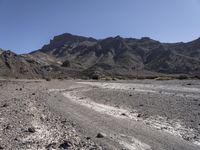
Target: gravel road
{"points": [[132, 115]]}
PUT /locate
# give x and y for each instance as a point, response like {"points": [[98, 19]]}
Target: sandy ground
{"points": [[27, 123], [132, 115], [173, 107]]}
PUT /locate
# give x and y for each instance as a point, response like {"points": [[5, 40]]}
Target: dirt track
{"points": [[26, 122], [135, 115]]}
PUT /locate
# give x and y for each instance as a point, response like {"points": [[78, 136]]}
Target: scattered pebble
{"points": [[100, 135], [8, 127], [5, 105], [23, 110], [31, 130], [65, 145], [63, 121], [88, 138], [123, 114], [51, 145]]}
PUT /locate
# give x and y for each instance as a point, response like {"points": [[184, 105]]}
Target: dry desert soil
{"points": [[90, 115]]}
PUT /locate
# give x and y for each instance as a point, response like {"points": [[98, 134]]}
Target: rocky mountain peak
{"points": [[8, 53], [65, 39]]}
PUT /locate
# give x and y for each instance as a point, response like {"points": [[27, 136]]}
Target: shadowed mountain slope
{"points": [[124, 55], [77, 56], [16, 66]]}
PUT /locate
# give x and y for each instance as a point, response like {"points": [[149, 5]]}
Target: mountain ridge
{"points": [[67, 53]]}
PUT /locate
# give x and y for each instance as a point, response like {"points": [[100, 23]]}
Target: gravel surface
{"points": [[27, 123], [124, 115], [176, 103]]}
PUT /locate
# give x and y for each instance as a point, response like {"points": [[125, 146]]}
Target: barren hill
{"points": [[124, 55], [77, 56]]}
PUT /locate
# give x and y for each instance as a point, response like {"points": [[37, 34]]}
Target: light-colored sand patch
{"points": [[43, 133], [135, 145], [56, 90], [105, 109], [148, 88], [173, 127], [131, 142], [197, 142]]}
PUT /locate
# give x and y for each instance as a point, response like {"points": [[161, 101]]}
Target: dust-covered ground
{"points": [[165, 104], [26, 122], [132, 115]]}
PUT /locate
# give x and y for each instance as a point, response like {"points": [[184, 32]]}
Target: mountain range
{"points": [[69, 55]]}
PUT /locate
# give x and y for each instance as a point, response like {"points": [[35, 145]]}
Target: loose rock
{"points": [[100, 135], [31, 130], [65, 145]]}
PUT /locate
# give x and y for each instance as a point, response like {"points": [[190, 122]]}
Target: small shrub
{"points": [[95, 77], [66, 63], [114, 79], [182, 77], [140, 78], [197, 76], [120, 78], [60, 78], [48, 79], [150, 77]]}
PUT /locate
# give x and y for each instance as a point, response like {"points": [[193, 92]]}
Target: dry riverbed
{"points": [[132, 115], [26, 122]]}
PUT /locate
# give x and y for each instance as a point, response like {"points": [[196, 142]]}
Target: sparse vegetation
{"points": [[182, 77], [47, 78], [66, 63], [95, 77]]}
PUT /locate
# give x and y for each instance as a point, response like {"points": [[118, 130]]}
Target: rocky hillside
{"points": [[119, 55], [78, 56], [16, 66]]}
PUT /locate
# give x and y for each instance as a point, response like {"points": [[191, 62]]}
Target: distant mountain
{"points": [[117, 55], [78, 56]]}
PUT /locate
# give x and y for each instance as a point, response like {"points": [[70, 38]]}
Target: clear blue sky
{"points": [[26, 25]]}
